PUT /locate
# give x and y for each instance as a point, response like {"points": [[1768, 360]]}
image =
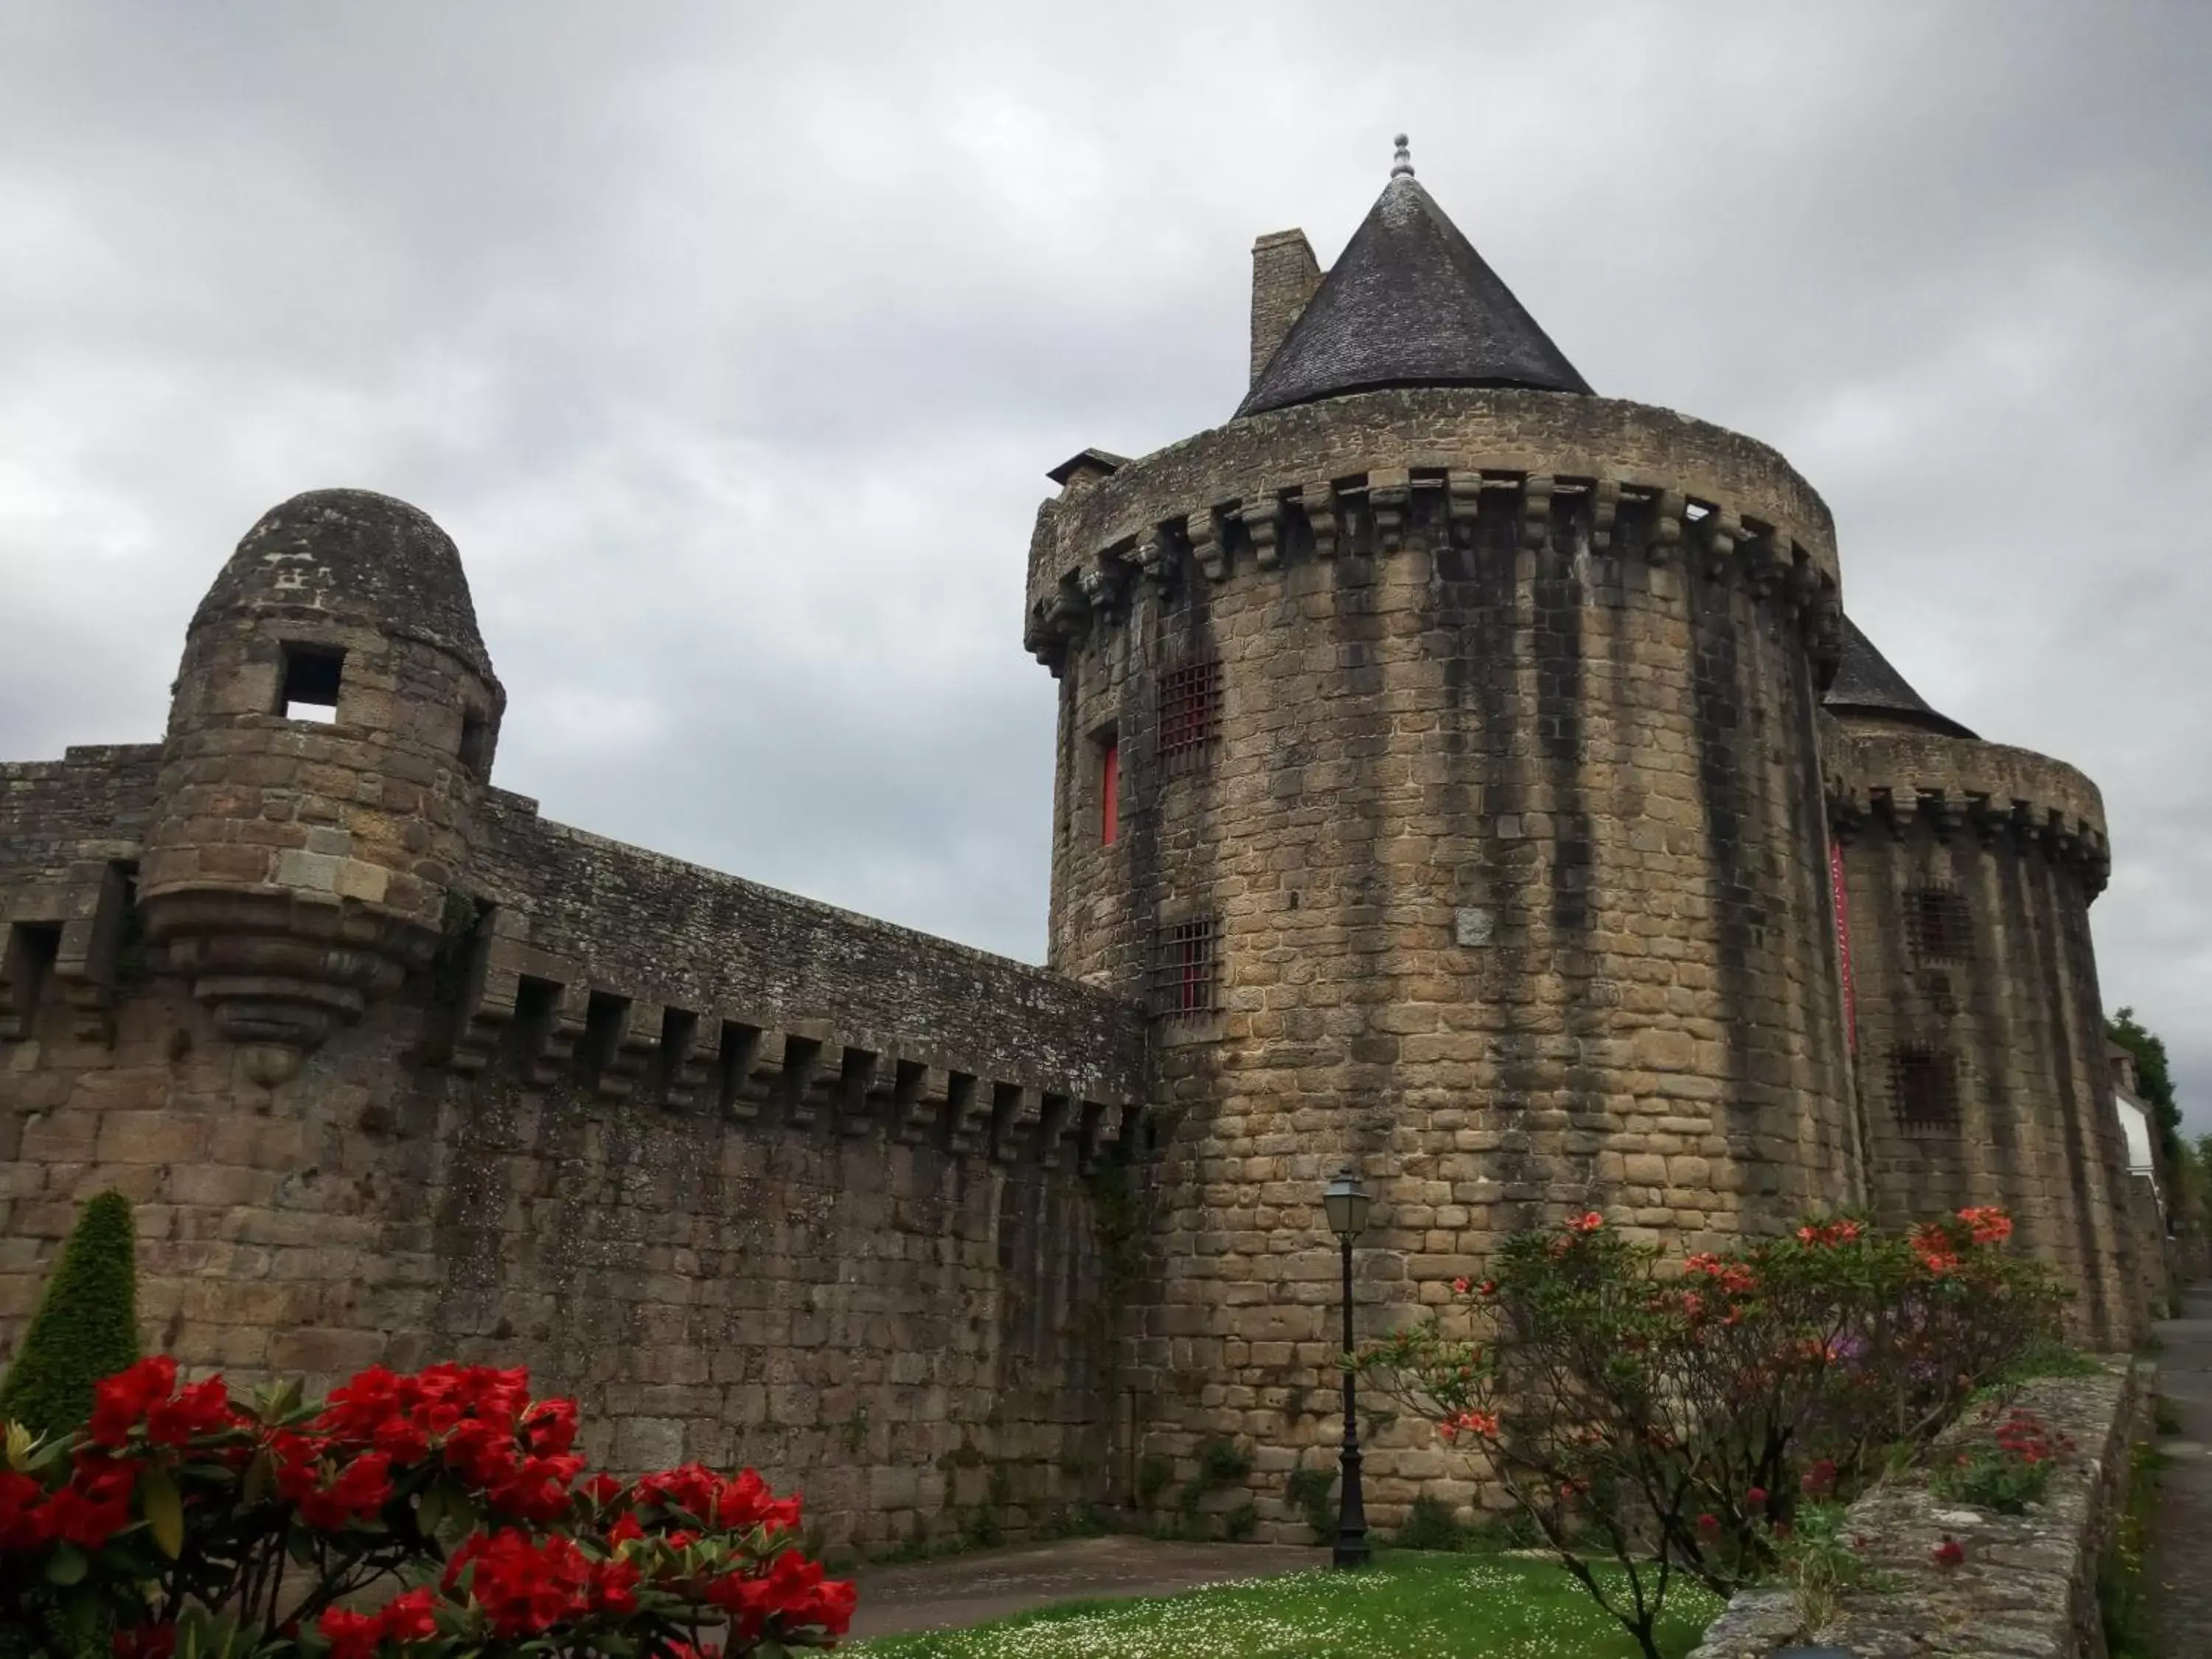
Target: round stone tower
{"points": [[332, 725], [1437, 754], [1967, 870]]}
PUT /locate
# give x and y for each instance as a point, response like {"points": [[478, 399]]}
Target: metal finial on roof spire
{"points": [[1401, 164]]}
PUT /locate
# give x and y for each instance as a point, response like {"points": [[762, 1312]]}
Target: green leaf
{"points": [[165, 1510], [66, 1566]]}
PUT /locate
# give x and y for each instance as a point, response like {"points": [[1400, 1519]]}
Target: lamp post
{"points": [[1346, 1202]]}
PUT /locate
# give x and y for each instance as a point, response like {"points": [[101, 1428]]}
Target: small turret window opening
{"points": [[1109, 788], [309, 688], [475, 739], [1186, 969], [1942, 927], [1190, 714], [1925, 1087]]}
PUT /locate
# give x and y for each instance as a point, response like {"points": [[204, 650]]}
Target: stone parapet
{"points": [[1379, 471], [2027, 1586], [1895, 777], [708, 992]]}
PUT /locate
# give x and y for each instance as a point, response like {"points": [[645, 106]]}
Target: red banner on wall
{"points": [[1842, 904]]}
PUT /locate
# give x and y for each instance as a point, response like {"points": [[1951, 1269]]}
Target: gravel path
{"points": [[2180, 1568]]}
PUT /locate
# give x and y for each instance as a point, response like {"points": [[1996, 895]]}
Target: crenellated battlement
{"points": [[1955, 785], [1371, 474], [660, 982]]}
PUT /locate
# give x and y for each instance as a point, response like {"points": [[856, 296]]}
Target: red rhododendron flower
{"points": [[147, 1641], [1756, 1497], [1990, 1225], [1819, 1480], [602, 1489], [23, 1522], [200, 1409], [1949, 1552], [120, 1402], [1709, 1525], [525, 1587], [351, 1635], [1589, 1222]]}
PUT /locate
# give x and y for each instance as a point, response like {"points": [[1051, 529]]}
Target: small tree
{"points": [[86, 1326], [1669, 1419]]}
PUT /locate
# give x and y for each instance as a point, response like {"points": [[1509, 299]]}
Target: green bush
{"points": [[86, 1325], [1311, 1492], [1430, 1525]]}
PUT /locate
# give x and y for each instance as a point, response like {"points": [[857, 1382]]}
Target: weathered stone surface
{"points": [[2027, 1586]]}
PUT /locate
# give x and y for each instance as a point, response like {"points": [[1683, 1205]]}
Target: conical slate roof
{"points": [[1865, 684], [1410, 303]]}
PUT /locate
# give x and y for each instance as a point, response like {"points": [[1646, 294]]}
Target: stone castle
{"points": [[1459, 774]]}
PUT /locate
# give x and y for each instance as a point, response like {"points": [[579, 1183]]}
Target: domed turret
{"points": [[333, 723]]}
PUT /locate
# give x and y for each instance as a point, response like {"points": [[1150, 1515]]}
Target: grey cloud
{"points": [[731, 341]]}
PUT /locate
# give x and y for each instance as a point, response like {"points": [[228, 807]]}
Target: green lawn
{"points": [[1407, 1607]]}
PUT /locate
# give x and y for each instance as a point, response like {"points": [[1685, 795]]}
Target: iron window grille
{"points": [[1942, 927], [1186, 972], [1190, 714], [1924, 1083]]}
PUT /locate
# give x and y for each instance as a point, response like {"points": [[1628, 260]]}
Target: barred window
{"points": [[1190, 714], [1942, 927], [1925, 1087], [1186, 976]]}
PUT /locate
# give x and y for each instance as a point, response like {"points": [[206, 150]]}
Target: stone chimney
{"points": [[1285, 274]]}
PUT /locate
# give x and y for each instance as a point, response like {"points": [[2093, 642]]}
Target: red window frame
{"points": [[1109, 793]]}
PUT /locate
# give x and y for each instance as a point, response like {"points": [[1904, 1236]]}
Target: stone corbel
{"points": [[1986, 820], [489, 1010], [1605, 507], [1263, 522], [809, 1083], [689, 1055], [1054, 1122], [1895, 808], [1722, 530], [969, 1101], [1090, 1124], [1536, 514], [1666, 527], [1462, 507], [1945, 813], [632, 1056], [1389, 493], [1151, 555], [1766, 561], [1203, 529], [564, 1025], [1323, 515], [1103, 586], [922, 1102], [1016, 1111]]}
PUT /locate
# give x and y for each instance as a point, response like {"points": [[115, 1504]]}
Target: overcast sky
{"points": [[731, 342]]}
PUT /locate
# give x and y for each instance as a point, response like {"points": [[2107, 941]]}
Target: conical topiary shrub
{"points": [[86, 1325]]}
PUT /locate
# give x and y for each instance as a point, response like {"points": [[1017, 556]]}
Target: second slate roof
{"points": [[1866, 683], [1409, 303]]}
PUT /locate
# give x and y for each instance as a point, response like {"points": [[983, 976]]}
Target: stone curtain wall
{"points": [[2011, 1010], [1515, 833], [840, 1230], [2027, 1587]]}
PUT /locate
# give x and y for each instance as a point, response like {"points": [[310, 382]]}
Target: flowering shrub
{"points": [[440, 1513], [2007, 1472], [1671, 1418]]}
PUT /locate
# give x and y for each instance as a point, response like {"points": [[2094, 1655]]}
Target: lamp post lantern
{"points": [[1346, 1203]]}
